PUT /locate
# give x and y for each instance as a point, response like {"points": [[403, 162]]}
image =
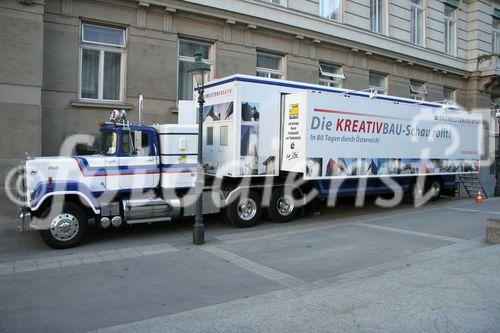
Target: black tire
{"points": [[435, 185], [280, 209], [71, 213], [233, 213], [409, 196]]}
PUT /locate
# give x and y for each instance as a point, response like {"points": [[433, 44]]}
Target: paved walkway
{"points": [[457, 291], [351, 269]]}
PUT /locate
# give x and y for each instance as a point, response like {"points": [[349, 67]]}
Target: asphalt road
{"points": [[350, 269]]}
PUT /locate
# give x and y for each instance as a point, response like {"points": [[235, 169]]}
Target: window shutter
{"points": [[452, 3]]}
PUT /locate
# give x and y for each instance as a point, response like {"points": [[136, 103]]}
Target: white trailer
{"points": [[259, 127], [335, 136]]}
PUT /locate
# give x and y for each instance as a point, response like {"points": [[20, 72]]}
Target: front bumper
{"points": [[24, 217], [24, 220]]}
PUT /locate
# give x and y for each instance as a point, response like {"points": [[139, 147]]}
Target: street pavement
{"points": [[351, 269]]}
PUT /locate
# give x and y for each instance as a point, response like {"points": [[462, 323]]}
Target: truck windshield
{"points": [[108, 143]]}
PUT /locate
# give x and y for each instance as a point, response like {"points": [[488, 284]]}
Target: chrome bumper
{"points": [[24, 220], [23, 212]]}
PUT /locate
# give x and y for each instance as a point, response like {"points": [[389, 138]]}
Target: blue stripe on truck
{"points": [[331, 90], [125, 170], [186, 133]]}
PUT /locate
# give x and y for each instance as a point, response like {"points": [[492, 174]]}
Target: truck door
{"points": [[208, 145], [104, 169], [99, 171], [138, 160], [222, 144], [111, 167]]}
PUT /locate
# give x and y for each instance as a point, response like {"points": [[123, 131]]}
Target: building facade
{"points": [[64, 64]]}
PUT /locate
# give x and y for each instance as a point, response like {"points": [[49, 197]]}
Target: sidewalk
{"points": [[350, 269], [458, 290]]}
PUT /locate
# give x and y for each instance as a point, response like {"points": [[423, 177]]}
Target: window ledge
{"points": [[90, 104]]}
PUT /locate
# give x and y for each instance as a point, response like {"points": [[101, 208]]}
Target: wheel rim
{"points": [[247, 209], [436, 189], [64, 227], [285, 205]]}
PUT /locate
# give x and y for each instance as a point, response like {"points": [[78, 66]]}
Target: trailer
{"points": [[269, 147]]}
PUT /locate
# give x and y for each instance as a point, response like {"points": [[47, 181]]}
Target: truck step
{"points": [[471, 184]]}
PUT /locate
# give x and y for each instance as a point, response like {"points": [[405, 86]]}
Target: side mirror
{"points": [[138, 139]]}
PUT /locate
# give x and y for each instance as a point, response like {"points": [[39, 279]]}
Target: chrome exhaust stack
{"points": [[140, 106]]}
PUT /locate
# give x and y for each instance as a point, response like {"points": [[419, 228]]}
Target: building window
{"points": [[449, 94], [378, 82], [417, 90], [102, 58], [496, 35], [269, 65], [417, 22], [276, 2], [331, 75], [185, 80], [330, 9], [377, 15], [449, 29]]}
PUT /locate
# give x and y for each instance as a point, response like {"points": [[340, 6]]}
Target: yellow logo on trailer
{"points": [[293, 112]]}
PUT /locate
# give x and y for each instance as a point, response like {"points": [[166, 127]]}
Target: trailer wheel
{"points": [[244, 212], [435, 187], [282, 207], [414, 191], [67, 226]]}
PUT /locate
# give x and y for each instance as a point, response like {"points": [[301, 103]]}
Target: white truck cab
{"points": [[126, 178]]}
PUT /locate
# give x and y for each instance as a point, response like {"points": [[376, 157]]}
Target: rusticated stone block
{"points": [[493, 231]]}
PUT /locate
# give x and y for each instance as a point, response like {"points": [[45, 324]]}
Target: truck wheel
{"points": [[282, 207], [411, 194], [435, 188], [245, 211], [68, 225]]}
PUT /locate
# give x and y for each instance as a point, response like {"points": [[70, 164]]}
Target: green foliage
{"points": [[486, 56]]}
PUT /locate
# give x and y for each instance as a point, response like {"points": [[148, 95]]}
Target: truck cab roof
{"points": [[130, 127], [118, 139]]}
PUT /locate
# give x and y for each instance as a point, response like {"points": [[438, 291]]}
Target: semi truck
{"points": [[269, 148]]}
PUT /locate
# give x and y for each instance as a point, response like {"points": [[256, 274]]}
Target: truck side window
{"points": [[133, 147], [127, 140], [223, 135], [145, 148], [210, 136]]}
